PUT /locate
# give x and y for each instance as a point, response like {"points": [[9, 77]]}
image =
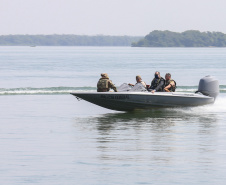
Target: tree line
{"points": [[190, 38], [66, 40]]}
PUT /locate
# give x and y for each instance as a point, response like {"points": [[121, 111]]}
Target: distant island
{"points": [[67, 40], [189, 38]]}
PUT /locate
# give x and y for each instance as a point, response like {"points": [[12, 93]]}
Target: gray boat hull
{"points": [[127, 101]]}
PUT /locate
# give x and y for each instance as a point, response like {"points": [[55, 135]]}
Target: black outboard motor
{"points": [[209, 86]]}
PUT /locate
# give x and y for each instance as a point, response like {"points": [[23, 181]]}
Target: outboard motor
{"points": [[209, 86]]}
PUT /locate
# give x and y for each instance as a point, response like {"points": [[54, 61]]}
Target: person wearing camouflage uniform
{"points": [[170, 84], [104, 84]]}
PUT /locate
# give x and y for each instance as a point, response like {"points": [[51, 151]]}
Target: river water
{"points": [[48, 137]]}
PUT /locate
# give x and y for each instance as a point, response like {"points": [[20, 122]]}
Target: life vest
{"points": [[103, 84], [155, 83], [172, 88]]}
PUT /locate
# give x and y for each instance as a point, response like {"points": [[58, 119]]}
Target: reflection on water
{"points": [[156, 119], [156, 132], [149, 143]]}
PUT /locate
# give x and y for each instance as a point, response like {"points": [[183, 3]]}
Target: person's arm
{"points": [[111, 85], [144, 84], [160, 85], [167, 87], [172, 84]]}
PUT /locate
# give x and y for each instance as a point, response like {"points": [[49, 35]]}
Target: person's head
{"points": [[138, 78], [168, 76], [157, 75], [104, 75]]}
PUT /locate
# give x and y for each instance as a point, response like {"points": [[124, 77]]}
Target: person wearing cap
{"points": [[170, 84], [157, 83], [139, 80], [104, 84]]}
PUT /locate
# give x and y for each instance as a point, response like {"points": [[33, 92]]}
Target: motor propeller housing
{"points": [[209, 86]]}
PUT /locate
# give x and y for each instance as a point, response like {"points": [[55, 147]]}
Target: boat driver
{"points": [[157, 83], [104, 84], [170, 85], [139, 80]]}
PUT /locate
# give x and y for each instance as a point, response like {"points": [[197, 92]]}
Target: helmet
{"points": [[104, 75]]}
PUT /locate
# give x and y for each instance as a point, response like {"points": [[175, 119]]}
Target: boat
{"points": [[128, 99]]}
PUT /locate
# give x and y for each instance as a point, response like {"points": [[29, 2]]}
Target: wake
{"points": [[67, 90]]}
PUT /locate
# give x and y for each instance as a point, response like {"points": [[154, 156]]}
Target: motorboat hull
{"points": [[127, 101]]}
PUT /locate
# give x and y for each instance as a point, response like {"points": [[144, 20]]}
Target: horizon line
{"points": [[92, 35]]}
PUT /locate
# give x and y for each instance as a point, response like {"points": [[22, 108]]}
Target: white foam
{"points": [[24, 91], [219, 107]]}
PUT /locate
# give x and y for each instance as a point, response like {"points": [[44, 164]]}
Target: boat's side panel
{"points": [[178, 100], [126, 102], [119, 103]]}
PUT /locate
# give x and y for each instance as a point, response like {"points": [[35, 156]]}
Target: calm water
{"points": [[48, 137]]}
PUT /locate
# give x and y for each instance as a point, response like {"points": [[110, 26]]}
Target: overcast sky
{"points": [[110, 17]]}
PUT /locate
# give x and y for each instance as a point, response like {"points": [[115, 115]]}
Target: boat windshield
{"points": [[136, 88]]}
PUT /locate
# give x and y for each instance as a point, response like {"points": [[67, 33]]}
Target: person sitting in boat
{"points": [[104, 84], [157, 83], [139, 80], [170, 84]]}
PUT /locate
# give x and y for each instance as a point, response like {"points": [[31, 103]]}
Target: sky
{"points": [[110, 17]]}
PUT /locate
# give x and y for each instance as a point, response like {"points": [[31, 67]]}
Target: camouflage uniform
{"points": [[104, 84]]}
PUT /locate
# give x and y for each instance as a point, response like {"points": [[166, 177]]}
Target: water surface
{"points": [[48, 137]]}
